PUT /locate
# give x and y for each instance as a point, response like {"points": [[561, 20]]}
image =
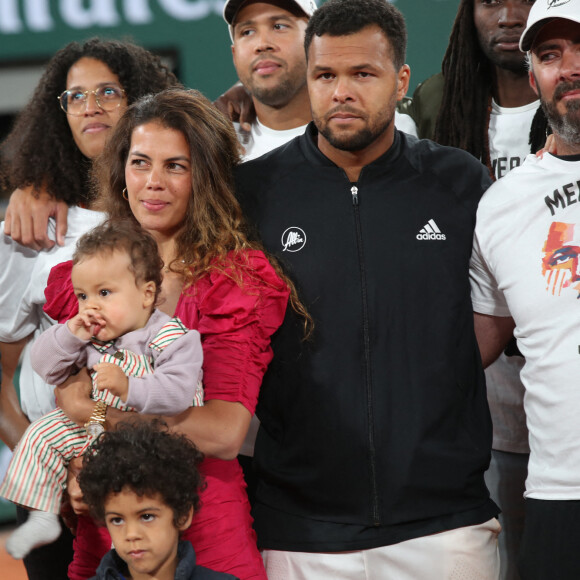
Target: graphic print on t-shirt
{"points": [[560, 261]]}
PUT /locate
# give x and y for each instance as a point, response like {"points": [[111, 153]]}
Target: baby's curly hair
{"points": [[146, 458], [129, 237]]}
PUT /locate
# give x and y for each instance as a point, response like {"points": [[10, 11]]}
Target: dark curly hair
{"points": [[146, 458], [129, 237], [40, 150], [343, 17]]}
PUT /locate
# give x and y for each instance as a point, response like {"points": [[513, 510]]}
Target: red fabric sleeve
{"points": [[91, 543], [236, 324], [61, 302]]}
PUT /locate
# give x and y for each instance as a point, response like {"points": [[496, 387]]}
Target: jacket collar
{"points": [[112, 567], [308, 146]]}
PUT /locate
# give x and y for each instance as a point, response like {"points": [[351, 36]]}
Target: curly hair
{"points": [[463, 117], [129, 237], [343, 17], [146, 458], [214, 232], [40, 150]]}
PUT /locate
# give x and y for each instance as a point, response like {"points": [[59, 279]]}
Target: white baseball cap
{"points": [[542, 12], [231, 8]]}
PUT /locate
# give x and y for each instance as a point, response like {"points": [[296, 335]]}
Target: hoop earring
{"points": [[125, 196]]}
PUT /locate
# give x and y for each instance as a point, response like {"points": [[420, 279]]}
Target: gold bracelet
{"points": [[96, 423]]}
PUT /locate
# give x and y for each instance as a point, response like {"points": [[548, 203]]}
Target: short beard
{"points": [[278, 96], [566, 126], [282, 94], [357, 142], [363, 138]]}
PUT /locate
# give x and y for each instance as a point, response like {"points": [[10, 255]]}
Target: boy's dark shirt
{"points": [[112, 567]]}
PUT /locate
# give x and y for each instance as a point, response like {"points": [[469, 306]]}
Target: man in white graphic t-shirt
{"points": [[524, 272]]}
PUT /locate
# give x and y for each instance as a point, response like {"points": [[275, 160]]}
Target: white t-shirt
{"points": [[525, 264], [405, 123], [509, 130], [23, 278], [262, 139]]}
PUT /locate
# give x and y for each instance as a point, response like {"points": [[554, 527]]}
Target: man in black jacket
{"points": [[376, 433]]}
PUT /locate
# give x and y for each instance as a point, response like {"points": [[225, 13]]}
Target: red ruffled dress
{"points": [[235, 324]]}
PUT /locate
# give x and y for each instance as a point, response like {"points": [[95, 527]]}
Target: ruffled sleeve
{"points": [[236, 324], [61, 303]]}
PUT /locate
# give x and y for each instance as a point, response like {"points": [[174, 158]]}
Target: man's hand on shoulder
{"points": [[549, 147], [236, 103], [27, 218]]}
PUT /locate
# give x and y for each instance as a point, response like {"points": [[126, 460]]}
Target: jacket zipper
{"points": [[367, 351]]}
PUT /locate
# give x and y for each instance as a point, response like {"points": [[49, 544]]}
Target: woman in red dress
{"points": [[169, 165]]}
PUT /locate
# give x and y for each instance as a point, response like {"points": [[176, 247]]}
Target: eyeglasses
{"points": [[108, 98]]}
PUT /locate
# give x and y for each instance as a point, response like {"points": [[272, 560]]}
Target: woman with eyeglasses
{"points": [[80, 98]]}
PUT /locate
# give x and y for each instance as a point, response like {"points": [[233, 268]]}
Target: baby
{"points": [[141, 360]]}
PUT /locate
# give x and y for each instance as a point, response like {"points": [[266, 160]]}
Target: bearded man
{"points": [[524, 274]]}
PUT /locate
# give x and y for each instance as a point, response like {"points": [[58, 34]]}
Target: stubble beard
{"points": [[282, 93], [362, 138], [566, 125]]}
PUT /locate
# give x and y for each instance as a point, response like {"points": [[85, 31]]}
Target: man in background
{"points": [[268, 53]]}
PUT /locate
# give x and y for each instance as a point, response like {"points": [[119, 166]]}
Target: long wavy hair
{"points": [[463, 118], [214, 232], [40, 150]]}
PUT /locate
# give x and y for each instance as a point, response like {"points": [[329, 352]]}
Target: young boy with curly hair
{"points": [[142, 482], [141, 360]]}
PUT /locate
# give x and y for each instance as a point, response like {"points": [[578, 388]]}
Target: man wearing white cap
{"points": [[525, 273]]}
